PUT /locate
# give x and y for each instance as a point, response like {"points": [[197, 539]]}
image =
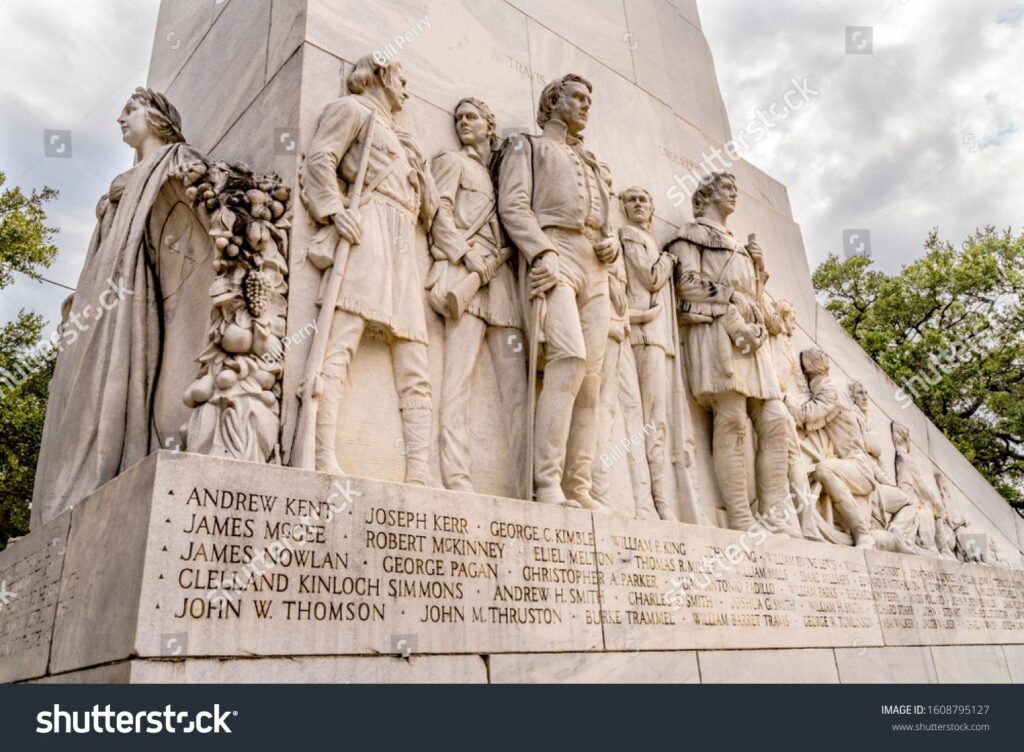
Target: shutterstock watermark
{"points": [[107, 721], [942, 363], [713, 568], [65, 335], [721, 160], [403, 645], [6, 596], [341, 498], [857, 243], [57, 144]]}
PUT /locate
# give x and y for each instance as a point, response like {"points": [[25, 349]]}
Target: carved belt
{"points": [[394, 203]]}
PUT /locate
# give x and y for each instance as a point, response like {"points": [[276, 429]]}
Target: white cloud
{"points": [[67, 65], [922, 133], [925, 132]]}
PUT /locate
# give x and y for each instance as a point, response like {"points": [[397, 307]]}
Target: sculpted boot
{"points": [[582, 443], [807, 511], [730, 471], [855, 522], [551, 429], [599, 487], [775, 503], [659, 489], [664, 510], [643, 513], [328, 410], [806, 506], [416, 428]]}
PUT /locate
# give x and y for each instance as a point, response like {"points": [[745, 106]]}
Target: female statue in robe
{"points": [[99, 417]]}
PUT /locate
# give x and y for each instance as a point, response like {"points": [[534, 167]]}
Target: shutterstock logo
{"points": [[107, 721]]}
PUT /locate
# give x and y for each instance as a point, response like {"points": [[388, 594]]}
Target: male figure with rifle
{"points": [[555, 207], [359, 150], [720, 285]]}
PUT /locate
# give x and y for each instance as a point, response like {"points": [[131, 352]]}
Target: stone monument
{"points": [[668, 464]]}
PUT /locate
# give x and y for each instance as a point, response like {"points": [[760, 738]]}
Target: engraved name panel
{"points": [[681, 586], [258, 563]]}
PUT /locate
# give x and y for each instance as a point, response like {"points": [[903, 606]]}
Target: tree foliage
{"points": [[25, 366], [25, 240], [949, 330]]}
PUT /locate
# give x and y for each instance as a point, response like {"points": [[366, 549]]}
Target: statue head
{"points": [[787, 316], [383, 79], [715, 195], [638, 206], [952, 506], [566, 100], [859, 394], [476, 126], [148, 117], [901, 437], [814, 362]]}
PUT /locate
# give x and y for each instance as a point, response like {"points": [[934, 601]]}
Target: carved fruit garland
{"points": [[237, 393]]}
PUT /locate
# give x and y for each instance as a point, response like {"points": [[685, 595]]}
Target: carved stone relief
{"points": [[167, 227], [472, 284], [720, 285], [554, 203], [366, 184], [591, 329], [236, 395]]}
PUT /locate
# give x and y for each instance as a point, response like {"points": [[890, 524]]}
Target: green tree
{"points": [[949, 330], [25, 240], [25, 371], [25, 366]]}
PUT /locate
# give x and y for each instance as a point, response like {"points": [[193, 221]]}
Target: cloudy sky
{"points": [[919, 133], [67, 65], [923, 132]]}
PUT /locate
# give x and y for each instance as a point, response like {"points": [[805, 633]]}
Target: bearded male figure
{"points": [[720, 286]]}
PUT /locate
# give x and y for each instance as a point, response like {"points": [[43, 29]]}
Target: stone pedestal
{"points": [[197, 569]]}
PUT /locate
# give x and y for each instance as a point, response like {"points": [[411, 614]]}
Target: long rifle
{"points": [[537, 306], [304, 447]]}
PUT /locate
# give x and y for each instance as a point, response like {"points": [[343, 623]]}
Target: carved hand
{"points": [[349, 225], [749, 338], [747, 310], [756, 254], [772, 320], [544, 274], [608, 249], [494, 263], [476, 261], [620, 303]]}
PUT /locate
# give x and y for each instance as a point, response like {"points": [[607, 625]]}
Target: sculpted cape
{"points": [[99, 418]]}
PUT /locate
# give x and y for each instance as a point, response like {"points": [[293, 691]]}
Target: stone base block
{"points": [[423, 669], [195, 569], [596, 668]]}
